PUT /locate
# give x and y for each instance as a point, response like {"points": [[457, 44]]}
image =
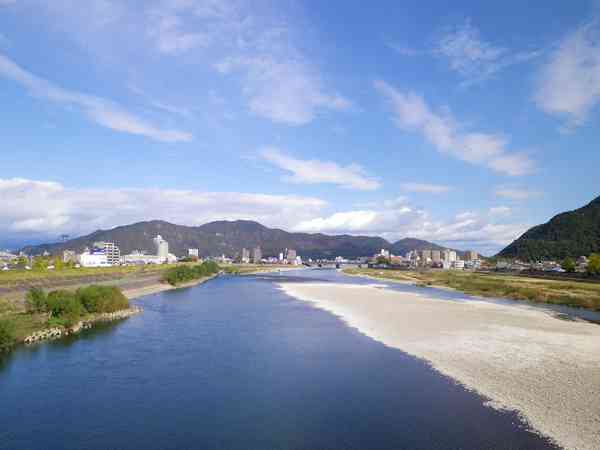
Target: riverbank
{"points": [[558, 292], [520, 358], [155, 288]]}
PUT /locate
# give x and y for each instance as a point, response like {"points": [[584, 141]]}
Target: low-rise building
{"points": [[94, 258], [140, 258], [193, 253]]}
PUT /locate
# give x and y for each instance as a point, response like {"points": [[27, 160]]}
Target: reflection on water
{"points": [[237, 364]]}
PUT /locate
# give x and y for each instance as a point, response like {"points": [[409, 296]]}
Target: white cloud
{"points": [[402, 49], [500, 211], [44, 209], [516, 193], [472, 57], [101, 111], [468, 230], [314, 171], [425, 187], [569, 85], [285, 91], [412, 113]]}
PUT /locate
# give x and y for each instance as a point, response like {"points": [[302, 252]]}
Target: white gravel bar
{"points": [[519, 357]]}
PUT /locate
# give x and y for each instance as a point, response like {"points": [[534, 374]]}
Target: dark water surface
{"points": [[237, 364]]}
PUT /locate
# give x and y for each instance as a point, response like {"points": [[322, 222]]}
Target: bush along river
{"points": [[237, 363]]}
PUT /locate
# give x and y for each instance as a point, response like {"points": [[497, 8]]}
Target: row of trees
{"points": [[185, 273], [593, 267], [65, 308]]}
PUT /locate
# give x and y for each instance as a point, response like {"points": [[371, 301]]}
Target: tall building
{"points": [[245, 255], [162, 247], [257, 255], [471, 256], [291, 256], [449, 256], [425, 256], [436, 256], [112, 252], [193, 252]]}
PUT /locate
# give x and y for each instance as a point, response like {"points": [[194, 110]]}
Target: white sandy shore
{"points": [[160, 287], [521, 358]]}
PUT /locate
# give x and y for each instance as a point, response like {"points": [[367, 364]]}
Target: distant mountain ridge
{"points": [[229, 237], [573, 233]]}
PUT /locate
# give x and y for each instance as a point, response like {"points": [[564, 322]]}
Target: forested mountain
{"points": [[572, 233], [229, 237]]}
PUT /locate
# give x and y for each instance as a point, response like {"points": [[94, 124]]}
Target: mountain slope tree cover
{"points": [[229, 237], [570, 234]]}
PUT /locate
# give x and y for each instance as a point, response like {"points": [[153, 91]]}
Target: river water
{"points": [[237, 364]]}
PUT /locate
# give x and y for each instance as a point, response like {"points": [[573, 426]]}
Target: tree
{"points": [[568, 265], [7, 335], [39, 264], [36, 301], [58, 263], [593, 267], [382, 260]]}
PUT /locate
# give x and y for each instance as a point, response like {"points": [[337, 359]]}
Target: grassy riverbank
{"points": [[571, 293], [63, 309]]}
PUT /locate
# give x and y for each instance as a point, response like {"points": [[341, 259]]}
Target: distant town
{"points": [[108, 254]]}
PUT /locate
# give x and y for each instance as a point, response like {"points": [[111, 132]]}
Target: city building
{"points": [[245, 255], [193, 253], [112, 252], [257, 255], [449, 255], [94, 258], [425, 256], [385, 253], [162, 248], [436, 256], [470, 255], [290, 255], [140, 258]]}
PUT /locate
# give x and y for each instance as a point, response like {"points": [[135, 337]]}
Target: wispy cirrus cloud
{"points": [[99, 110], [569, 83], [312, 171], [427, 188], [473, 58], [412, 113], [516, 193], [287, 91]]}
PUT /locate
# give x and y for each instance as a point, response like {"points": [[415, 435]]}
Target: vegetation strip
{"points": [[573, 293]]}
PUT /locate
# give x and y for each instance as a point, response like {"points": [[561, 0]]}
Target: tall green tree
{"points": [[569, 265], [593, 267]]}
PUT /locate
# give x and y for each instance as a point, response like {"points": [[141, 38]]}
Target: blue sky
{"points": [[461, 123]]}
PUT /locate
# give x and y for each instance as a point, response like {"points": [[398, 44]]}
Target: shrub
{"points": [[65, 305], [183, 273], [36, 301], [7, 335], [102, 299]]}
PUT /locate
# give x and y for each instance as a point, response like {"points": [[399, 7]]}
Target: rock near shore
{"points": [[58, 332]]}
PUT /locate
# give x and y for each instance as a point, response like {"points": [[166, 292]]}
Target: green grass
{"points": [[571, 293], [13, 278]]}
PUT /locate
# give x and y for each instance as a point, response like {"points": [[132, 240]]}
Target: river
{"points": [[235, 363]]}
